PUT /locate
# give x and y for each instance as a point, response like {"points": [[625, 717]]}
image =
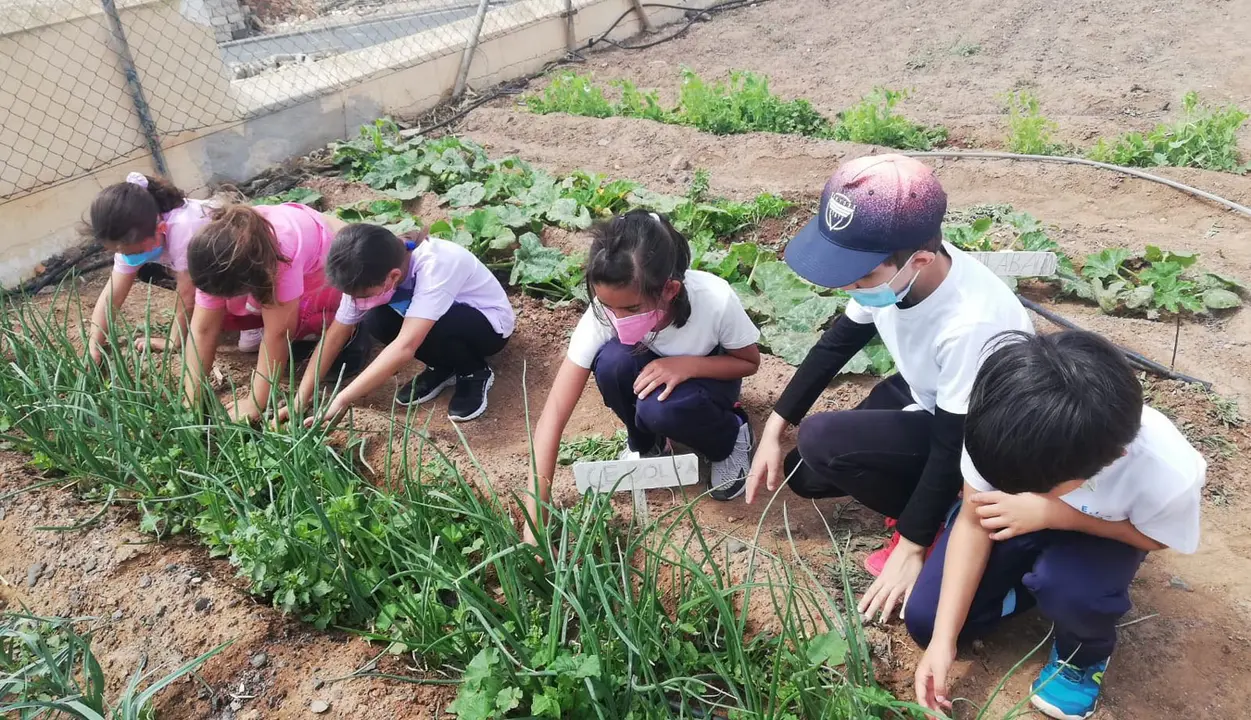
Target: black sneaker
{"points": [[425, 387], [470, 399]]}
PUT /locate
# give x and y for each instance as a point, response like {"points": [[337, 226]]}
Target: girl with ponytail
{"points": [[260, 271], [143, 220]]}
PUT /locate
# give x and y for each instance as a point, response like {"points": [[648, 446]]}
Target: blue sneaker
{"points": [[1067, 692]]}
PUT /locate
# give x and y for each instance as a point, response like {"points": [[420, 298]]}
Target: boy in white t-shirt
{"points": [[878, 235], [1069, 482]]}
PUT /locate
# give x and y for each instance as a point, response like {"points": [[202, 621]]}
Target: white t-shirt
{"points": [[717, 320], [938, 343], [1156, 485]]}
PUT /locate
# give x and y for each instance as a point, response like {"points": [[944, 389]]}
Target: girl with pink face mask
{"points": [[669, 347]]}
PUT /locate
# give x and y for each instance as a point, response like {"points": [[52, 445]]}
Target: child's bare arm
{"points": [[384, 367], [206, 325], [324, 355], [561, 401], [1006, 515], [111, 298], [670, 372]]}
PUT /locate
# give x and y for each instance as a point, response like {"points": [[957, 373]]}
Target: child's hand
{"points": [[330, 415], [931, 678], [154, 344], [766, 467], [1006, 515], [894, 585], [244, 410], [669, 372]]}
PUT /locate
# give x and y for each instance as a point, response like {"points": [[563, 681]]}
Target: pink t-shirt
{"points": [[181, 224], [303, 238], [440, 273]]}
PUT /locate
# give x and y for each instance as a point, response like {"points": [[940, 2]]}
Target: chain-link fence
{"points": [[84, 83]]}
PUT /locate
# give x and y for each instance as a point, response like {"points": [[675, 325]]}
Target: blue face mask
{"points": [[884, 295], [137, 259]]}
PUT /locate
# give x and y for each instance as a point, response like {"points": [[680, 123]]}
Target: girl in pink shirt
{"points": [[143, 220], [259, 268]]}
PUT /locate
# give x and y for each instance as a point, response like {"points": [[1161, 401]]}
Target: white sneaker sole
{"points": [[1056, 713], [486, 391], [437, 391], [250, 345]]}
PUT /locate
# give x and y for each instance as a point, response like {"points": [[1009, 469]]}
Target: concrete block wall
{"points": [[227, 18]]}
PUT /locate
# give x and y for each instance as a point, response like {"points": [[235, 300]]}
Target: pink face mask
{"points": [[373, 301], [631, 330]]}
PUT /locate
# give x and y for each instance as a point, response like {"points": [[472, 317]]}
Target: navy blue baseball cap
{"points": [[872, 207]]}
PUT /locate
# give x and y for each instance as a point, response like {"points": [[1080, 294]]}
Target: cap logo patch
{"points": [[839, 211]]}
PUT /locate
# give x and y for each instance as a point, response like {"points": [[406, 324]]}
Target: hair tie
{"points": [[139, 179], [654, 216]]}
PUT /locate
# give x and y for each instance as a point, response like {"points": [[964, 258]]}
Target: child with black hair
{"points": [[426, 298], [669, 348], [1069, 481], [878, 236], [261, 270], [143, 220]]}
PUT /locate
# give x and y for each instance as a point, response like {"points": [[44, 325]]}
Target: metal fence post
{"points": [[122, 47], [571, 39], [466, 58]]}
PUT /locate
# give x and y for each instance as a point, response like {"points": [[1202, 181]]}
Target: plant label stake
{"points": [[637, 477], [1018, 263]]}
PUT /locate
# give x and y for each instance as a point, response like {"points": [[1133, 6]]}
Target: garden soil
{"points": [[1098, 67]]}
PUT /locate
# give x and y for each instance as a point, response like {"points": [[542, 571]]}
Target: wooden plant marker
{"points": [[637, 477], [1018, 263]]}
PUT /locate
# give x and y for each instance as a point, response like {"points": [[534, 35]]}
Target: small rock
{"points": [[978, 645], [603, 142], [318, 683], [679, 163], [32, 574], [160, 610], [258, 660], [202, 605], [196, 580], [89, 564], [319, 706], [1, 513], [734, 519], [734, 545], [171, 567], [236, 705], [1179, 584], [145, 581], [118, 614]]}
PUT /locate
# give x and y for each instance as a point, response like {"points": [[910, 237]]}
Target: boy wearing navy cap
{"points": [[878, 235]]}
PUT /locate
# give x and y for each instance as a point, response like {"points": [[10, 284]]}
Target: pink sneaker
{"points": [[876, 560]]}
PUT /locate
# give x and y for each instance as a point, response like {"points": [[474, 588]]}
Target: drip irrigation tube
{"points": [[991, 155], [1136, 359]]}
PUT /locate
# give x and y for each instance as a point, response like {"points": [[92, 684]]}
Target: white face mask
{"points": [[884, 295]]}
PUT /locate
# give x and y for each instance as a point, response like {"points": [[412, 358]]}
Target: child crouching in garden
{"points": [[669, 347], [144, 220], [260, 269], [426, 298]]}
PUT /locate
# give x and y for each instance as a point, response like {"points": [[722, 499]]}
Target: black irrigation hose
{"points": [[694, 16], [1138, 360]]}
